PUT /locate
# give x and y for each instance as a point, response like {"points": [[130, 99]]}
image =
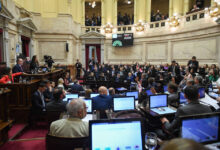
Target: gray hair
{"points": [[74, 107]]}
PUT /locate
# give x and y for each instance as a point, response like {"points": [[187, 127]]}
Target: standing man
{"points": [[78, 68], [18, 66], [193, 65]]}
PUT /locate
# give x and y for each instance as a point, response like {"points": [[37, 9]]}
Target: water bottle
{"points": [[20, 79]]}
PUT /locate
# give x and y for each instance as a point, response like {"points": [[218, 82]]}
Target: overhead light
{"points": [[93, 4], [129, 1]]}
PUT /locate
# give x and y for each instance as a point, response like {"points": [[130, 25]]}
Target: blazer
{"points": [[192, 108], [37, 105], [17, 68], [56, 106], [6, 79], [101, 102], [76, 88]]}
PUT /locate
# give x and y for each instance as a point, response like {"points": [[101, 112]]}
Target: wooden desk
{"points": [[5, 123]]}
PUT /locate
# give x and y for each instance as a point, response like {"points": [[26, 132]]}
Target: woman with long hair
{"points": [[8, 76], [34, 63]]}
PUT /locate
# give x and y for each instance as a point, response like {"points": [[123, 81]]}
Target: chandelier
{"points": [[139, 26], [108, 28], [174, 21], [215, 10], [92, 4]]}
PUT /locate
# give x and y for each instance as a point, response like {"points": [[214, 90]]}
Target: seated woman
{"points": [[34, 64], [67, 80], [213, 75], [60, 83], [8, 77]]}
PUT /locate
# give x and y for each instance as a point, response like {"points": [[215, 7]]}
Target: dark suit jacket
{"points": [[102, 102], [173, 99], [192, 108], [76, 88], [56, 106], [17, 68], [193, 65], [37, 105], [177, 69]]}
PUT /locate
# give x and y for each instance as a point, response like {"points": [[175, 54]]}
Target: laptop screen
{"points": [[88, 105], [108, 135], [149, 92], [123, 103], [94, 95], [71, 96], [202, 130], [165, 88], [182, 98], [134, 93], [201, 92], [158, 101]]}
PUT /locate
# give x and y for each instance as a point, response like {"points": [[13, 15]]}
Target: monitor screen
{"points": [[149, 92], [108, 135], [134, 93], [201, 92], [165, 88], [182, 98], [71, 96], [158, 101], [201, 130], [123, 103], [88, 105], [94, 95]]}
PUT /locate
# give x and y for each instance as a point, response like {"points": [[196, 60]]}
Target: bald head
{"points": [[76, 108], [103, 90]]}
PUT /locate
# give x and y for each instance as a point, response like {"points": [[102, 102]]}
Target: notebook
{"points": [[159, 104], [108, 134], [71, 96], [133, 93], [203, 128], [123, 103]]}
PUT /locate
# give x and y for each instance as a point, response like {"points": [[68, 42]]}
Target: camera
{"points": [[48, 60]]}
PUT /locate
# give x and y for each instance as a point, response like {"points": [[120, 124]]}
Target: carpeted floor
{"points": [[29, 139]]}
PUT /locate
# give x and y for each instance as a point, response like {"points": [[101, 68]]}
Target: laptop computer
{"points": [[88, 102], [133, 93], [203, 128], [123, 103], [71, 96], [108, 134], [149, 92], [201, 92], [159, 104], [94, 95], [182, 98]]}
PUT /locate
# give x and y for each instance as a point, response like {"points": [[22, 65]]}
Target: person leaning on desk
{"points": [[8, 76], [193, 107]]}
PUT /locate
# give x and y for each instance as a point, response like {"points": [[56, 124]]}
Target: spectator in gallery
{"points": [[34, 63], [87, 21], [195, 8], [99, 20], [158, 16]]}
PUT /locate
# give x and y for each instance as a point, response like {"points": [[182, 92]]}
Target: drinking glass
{"points": [[150, 140]]}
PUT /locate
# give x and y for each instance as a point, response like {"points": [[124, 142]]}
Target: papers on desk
{"points": [[210, 101], [215, 90], [163, 110], [121, 89], [212, 94]]}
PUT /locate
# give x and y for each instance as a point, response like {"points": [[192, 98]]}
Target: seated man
{"points": [[57, 104], [76, 87], [198, 81], [73, 126], [193, 107], [38, 101], [173, 97], [48, 93], [18, 66], [102, 101]]}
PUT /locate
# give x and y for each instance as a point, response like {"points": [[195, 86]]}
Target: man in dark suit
{"points": [[48, 93], [174, 71], [193, 64], [102, 101], [76, 87], [18, 66], [192, 108], [78, 68], [38, 100], [57, 104], [173, 97]]}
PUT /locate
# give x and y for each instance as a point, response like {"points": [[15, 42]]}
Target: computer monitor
{"points": [[158, 101], [149, 92], [133, 93], [183, 100], [165, 88], [123, 103], [88, 102], [201, 92], [203, 128], [94, 95], [116, 134], [71, 96]]}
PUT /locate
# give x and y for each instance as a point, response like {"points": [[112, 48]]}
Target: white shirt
{"points": [[70, 127]]}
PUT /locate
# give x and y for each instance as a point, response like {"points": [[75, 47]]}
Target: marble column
{"points": [[170, 8], [212, 2], [6, 43], [103, 12], [83, 48], [178, 7], [102, 51], [186, 7], [148, 10]]}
